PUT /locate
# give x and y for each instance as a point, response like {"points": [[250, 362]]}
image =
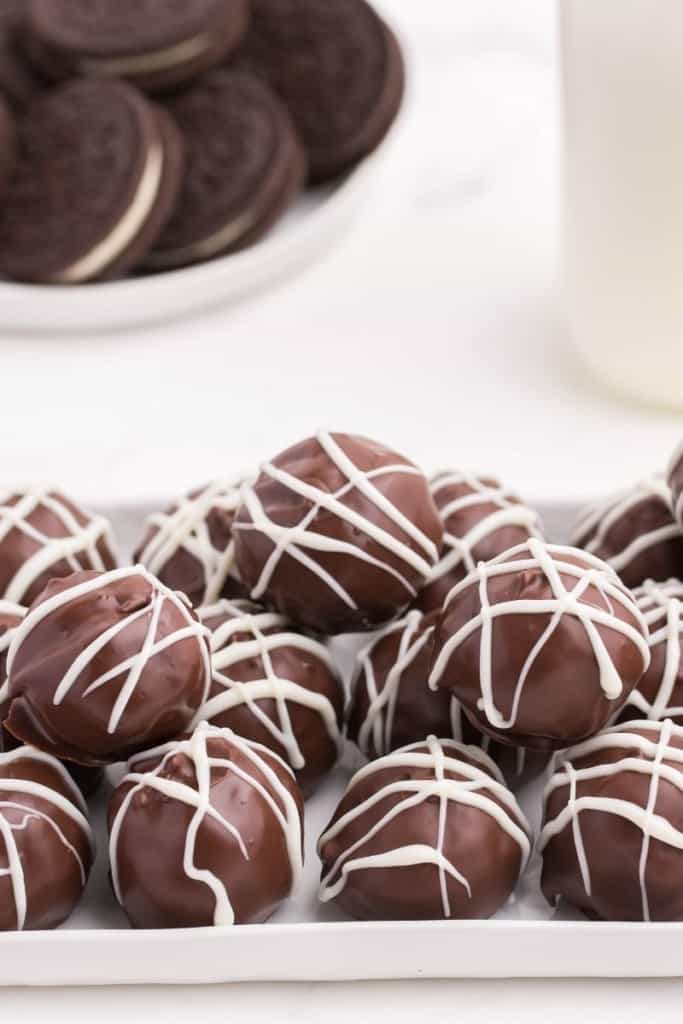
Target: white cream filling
{"points": [[132, 222], [144, 63]]}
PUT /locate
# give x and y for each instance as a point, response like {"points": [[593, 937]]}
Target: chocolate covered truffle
{"points": [[10, 617], [429, 831], [482, 519], [87, 779], [659, 693], [612, 838], [542, 645], [274, 685], [190, 548], [635, 532], [105, 665], [392, 704], [339, 533], [205, 831], [46, 844], [44, 535]]}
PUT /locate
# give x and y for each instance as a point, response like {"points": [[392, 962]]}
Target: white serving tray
{"points": [[308, 942]]}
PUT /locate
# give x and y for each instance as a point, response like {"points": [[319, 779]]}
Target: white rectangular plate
{"points": [[308, 942]]}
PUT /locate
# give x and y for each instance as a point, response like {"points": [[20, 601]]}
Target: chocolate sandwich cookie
{"points": [[97, 177], [157, 44], [339, 70], [8, 146], [19, 82], [245, 164]]}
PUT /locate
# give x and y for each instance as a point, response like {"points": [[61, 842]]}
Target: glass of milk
{"points": [[623, 188]]}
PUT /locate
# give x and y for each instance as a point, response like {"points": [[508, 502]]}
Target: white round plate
{"points": [[311, 225]]}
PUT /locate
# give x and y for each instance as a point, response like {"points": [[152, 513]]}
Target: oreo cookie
{"points": [[245, 164], [97, 176], [156, 44], [338, 69], [8, 146], [18, 80]]}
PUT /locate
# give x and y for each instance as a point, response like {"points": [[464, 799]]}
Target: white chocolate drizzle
{"points": [[597, 521], [271, 790], [297, 541], [186, 528], [131, 668], [654, 757], [260, 643], [378, 724], [553, 561], [662, 607], [481, 787], [509, 511], [80, 541], [74, 808]]}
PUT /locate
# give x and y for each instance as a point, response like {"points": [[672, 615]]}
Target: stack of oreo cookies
{"points": [[147, 135]]}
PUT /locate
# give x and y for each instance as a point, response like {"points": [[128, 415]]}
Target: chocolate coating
{"points": [[105, 665], [228, 808], [46, 844], [10, 617], [635, 532], [428, 831], [659, 694], [482, 519], [190, 548], [542, 645], [338, 533], [44, 535], [612, 838], [392, 704], [274, 685], [87, 779]]}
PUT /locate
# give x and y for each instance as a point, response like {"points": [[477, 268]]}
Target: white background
{"points": [[435, 326]]}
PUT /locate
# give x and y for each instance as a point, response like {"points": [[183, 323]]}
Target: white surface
{"points": [[623, 91], [436, 322]]}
